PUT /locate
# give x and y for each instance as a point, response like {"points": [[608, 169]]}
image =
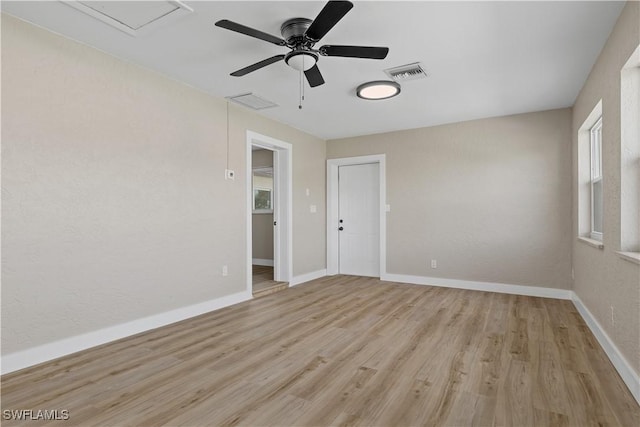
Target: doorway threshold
{"points": [[268, 288]]}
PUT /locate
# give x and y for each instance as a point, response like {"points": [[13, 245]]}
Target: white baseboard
{"points": [[265, 262], [46, 352], [628, 375], [503, 288], [307, 277]]}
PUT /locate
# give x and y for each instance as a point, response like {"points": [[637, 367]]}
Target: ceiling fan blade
{"points": [[314, 77], [369, 52], [329, 16], [246, 70], [252, 32]]}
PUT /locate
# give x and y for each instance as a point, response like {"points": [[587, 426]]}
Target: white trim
{"points": [[260, 261], [591, 242], [332, 208], [46, 352], [628, 375], [633, 257], [503, 288], [283, 212], [307, 277]]}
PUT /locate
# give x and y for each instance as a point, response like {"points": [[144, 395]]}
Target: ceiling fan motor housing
{"points": [[293, 31]]}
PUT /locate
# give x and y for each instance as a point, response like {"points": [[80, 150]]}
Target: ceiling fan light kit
{"points": [[301, 60], [379, 89], [300, 35]]}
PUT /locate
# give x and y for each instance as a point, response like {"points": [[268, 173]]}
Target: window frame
{"points": [[595, 150], [630, 158]]}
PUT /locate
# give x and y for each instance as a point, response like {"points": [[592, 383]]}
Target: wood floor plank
{"points": [[342, 350]]}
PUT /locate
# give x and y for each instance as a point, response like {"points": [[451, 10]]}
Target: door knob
{"points": [[340, 228]]}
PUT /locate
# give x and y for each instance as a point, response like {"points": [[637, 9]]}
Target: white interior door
{"points": [[359, 220]]}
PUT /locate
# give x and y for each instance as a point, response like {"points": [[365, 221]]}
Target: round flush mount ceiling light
{"points": [[380, 89]]}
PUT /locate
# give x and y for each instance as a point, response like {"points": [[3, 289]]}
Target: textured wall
{"points": [[607, 284], [114, 202], [490, 199]]}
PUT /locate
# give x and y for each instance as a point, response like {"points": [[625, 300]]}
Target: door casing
{"points": [[332, 209]]}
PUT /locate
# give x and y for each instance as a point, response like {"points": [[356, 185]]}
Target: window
{"points": [[596, 180], [590, 180], [263, 190], [262, 199], [630, 157]]}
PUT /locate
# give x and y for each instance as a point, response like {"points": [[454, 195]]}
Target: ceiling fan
{"points": [[300, 35]]}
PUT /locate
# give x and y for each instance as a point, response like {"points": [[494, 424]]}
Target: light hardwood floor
{"points": [[263, 283], [344, 351]]}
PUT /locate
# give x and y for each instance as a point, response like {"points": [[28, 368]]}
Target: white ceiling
{"points": [[484, 59]]}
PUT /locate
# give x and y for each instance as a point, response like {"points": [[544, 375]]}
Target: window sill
{"points": [[591, 242], [633, 257]]}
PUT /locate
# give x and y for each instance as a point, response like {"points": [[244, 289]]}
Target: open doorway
{"points": [[262, 223], [269, 211]]}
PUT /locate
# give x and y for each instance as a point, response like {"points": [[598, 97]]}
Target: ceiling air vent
{"points": [[252, 101], [132, 17], [407, 72]]}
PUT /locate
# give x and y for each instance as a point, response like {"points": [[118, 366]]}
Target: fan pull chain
{"points": [[300, 92], [301, 85]]}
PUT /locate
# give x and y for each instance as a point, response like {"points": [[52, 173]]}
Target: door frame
{"points": [[282, 209], [333, 252]]}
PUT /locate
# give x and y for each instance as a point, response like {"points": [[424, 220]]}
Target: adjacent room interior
{"points": [[320, 213]]}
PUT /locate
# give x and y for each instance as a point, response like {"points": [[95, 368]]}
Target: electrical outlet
{"points": [[313, 209], [225, 270], [229, 174], [434, 263], [308, 192]]}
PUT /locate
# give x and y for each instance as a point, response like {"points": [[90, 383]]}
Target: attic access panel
{"points": [[133, 17]]}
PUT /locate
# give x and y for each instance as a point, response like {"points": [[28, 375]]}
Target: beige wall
{"points": [[490, 200], [262, 224], [114, 202], [607, 284]]}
